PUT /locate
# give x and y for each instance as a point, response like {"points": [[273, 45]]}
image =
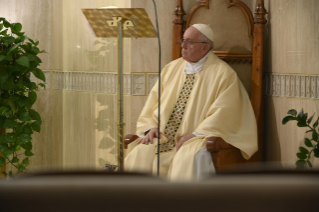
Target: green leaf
{"points": [[27, 130], [303, 150], [32, 97], [17, 27], [17, 148], [10, 138], [6, 24], [5, 174], [2, 142], [315, 124], [8, 40], [28, 153], [15, 160], [23, 101], [310, 119], [3, 76], [286, 119], [315, 136], [300, 115], [24, 139], [42, 85], [4, 32], [14, 47], [301, 156], [10, 174], [292, 112], [305, 116], [12, 105], [300, 163], [21, 168], [15, 97], [2, 120], [25, 116], [19, 129], [316, 151], [2, 57], [308, 142], [36, 126], [4, 111], [309, 164], [24, 61], [27, 146], [7, 152], [26, 161], [35, 115], [38, 73], [10, 123], [302, 123], [2, 161], [8, 85]]}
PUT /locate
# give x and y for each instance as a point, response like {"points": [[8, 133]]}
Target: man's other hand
{"points": [[183, 140], [153, 133]]}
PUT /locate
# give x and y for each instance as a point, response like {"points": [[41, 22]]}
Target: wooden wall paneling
{"points": [[257, 72], [178, 29]]}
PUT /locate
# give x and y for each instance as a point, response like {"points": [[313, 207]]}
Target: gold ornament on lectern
{"points": [[120, 23]]}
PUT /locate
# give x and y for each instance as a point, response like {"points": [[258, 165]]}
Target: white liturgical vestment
{"points": [[215, 104]]}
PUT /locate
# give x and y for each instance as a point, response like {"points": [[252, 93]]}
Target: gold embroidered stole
{"points": [[177, 115]]}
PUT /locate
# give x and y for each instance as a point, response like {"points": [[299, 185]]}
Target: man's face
{"points": [[193, 53]]}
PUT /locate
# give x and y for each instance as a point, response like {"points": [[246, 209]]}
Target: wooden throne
{"points": [[243, 50]]}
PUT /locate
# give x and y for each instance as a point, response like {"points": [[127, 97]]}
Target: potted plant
{"points": [[312, 143], [18, 60]]}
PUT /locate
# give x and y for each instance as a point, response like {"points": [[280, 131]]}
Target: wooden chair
{"points": [[224, 155]]}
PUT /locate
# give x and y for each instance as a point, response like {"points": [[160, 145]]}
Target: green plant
{"points": [[18, 59], [313, 143]]}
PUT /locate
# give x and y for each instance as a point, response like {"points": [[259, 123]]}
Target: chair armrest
{"points": [[129, 139], [215, 145]]}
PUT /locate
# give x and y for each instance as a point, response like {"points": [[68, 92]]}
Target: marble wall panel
{"points": [[144, 56]]}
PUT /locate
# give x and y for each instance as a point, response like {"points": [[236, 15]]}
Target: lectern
{"points": [[120, 23]]}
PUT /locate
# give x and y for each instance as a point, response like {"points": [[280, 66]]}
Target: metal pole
{"points": [[120, 124]]}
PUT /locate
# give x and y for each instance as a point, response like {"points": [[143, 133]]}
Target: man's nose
{"points": [[184, 46]]}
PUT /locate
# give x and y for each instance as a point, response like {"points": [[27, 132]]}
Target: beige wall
{"points": [[292, 51]]}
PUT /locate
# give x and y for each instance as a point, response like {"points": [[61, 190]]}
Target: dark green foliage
{"points": [[313, 143], [18, 60]]}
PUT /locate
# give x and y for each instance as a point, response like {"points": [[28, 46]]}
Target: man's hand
{"points": [[183, 140], [153, 133]]}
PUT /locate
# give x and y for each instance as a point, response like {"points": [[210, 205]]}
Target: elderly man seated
{"points": [[201, 97]]}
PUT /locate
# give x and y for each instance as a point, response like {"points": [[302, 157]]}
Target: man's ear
{"points": [[206, 47]]}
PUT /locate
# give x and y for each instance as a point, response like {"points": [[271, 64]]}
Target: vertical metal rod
{"points": [[120, 124], [159, 92]]}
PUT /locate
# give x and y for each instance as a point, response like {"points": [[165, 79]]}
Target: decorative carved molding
{"points": [[133, 83], [178, 30], [201, 3], [138, 84], [151, 80], [292, 86], [235, 56], [260, 12], [179, 13], [245, 9]]}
